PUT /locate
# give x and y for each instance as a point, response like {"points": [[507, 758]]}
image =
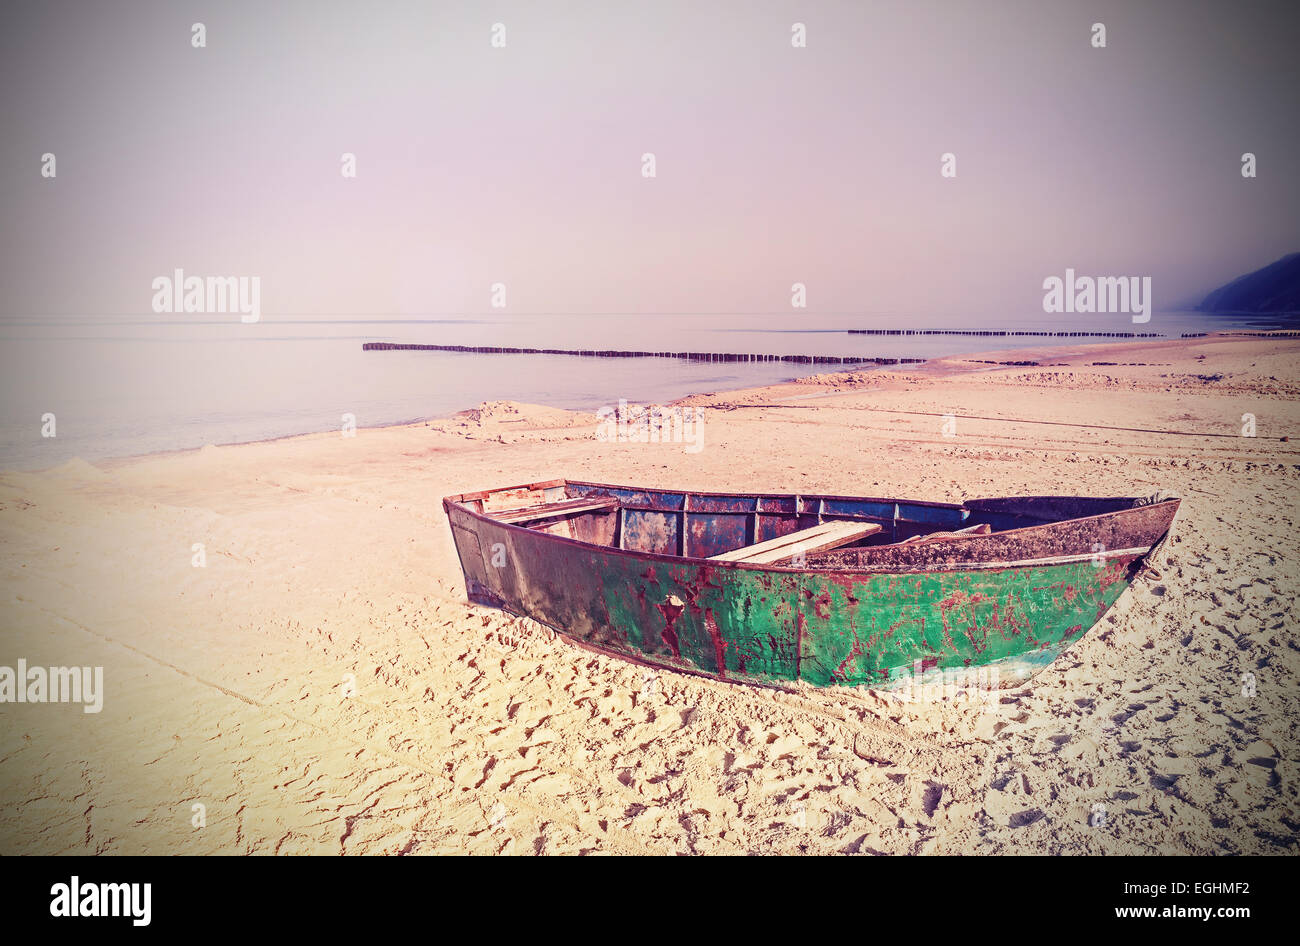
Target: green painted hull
{"points": [[850, 630]]}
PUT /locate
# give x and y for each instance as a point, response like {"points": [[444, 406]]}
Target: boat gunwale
{"points": [[459, 502], [477, 495]]}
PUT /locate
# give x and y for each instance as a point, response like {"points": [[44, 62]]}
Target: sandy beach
{"points": [[291, 667]]}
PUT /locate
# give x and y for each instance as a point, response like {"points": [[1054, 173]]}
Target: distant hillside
{"points": [[1273, 289]]}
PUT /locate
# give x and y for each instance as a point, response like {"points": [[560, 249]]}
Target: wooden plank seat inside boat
{"points": [[567, 507], [982, 528], [828, 535]]}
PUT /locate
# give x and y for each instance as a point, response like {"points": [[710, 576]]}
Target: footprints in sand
{"points": [[1171, 728]]}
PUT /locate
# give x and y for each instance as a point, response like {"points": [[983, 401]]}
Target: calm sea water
{"points": [[123, 387]]}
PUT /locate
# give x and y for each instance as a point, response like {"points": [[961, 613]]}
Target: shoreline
{"points": [[413, 422], [938, 367]]}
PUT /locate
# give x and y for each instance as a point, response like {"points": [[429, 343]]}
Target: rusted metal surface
{"points": [[863, 615]]}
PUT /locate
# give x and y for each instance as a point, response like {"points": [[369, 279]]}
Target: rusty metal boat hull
{"points": [[634, 577]]}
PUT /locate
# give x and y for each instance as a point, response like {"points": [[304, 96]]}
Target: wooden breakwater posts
{"points": [[1287, 334], [995, 333], [709, 356]]}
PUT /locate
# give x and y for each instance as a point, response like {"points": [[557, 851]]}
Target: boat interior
{"points": [[761, 528]]}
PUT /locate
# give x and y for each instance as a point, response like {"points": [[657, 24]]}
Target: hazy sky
{"points": [[523, 165]]}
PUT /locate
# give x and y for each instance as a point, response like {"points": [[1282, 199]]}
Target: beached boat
{"points": [[829, 590]]}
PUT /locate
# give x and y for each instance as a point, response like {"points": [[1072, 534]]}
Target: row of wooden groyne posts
{"points": [[710, 356], [996, 333], [1295, 334], [918, 331]]}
